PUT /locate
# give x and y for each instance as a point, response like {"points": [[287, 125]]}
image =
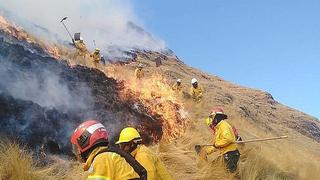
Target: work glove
{"points": [[197, 148]]}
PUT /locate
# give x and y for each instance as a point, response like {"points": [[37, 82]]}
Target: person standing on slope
{"points": [[224, 138], [177, 87], [96, 57], [195, 90], [131, 142], [90, 145], [81, 48], [139, 72]]}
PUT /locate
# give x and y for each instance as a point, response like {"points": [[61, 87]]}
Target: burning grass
{"points": [[153, 96], [158, 98], [22, 35]]}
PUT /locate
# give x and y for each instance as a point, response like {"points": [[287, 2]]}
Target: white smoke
{"points": [[108, 22], [42, 87]]}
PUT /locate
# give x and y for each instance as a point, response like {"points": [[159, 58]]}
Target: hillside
{"points": [[45, 93]]}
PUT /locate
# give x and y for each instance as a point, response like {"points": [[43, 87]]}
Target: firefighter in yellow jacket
{"points": [[90, 145], [139, 72], [131, 142], [81, 48], [196, 91], [96, 57], [177, 87], [224, 138]]}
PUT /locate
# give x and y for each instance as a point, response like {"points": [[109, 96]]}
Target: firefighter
{"points": [[81, 48], [90, 145], [195, 90], [131, 142], [96, 56], [177, 87], [224, 138], [139, 72]]}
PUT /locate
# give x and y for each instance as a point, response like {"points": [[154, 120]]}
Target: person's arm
{"points": [[200, 92], [102, 168], [147, 162], [191, 92]]}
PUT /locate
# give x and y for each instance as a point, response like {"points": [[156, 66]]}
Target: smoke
{"points": [[42, 87], [108, 22]]}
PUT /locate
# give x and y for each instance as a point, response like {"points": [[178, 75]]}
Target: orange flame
{"points": [[154, 93], [22, 35], [159, 98]]}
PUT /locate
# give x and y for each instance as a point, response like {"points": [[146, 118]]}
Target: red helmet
{"points": [[87, 134], [216, 110]]}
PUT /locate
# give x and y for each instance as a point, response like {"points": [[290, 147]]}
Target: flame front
{"points": [[153, 93], [156, 95], [17, 32]]}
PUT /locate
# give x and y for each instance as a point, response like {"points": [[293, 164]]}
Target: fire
{"points": [[17, 32], [159, 99], [153, 94]]}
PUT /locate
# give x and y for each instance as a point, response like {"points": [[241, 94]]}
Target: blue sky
{"points": [[273, 45]]}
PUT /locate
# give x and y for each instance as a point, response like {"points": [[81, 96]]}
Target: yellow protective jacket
{"points": [[196, 93], [139, 73], [156, 170], [81, 48], [108, 166], [177, 88], [224, 138], [96, 57]]}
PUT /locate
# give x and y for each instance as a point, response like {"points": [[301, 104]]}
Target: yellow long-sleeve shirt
{"points": [[156, 170], [196, 93], [108, 166], [224, 138], [139, 73], [177, 88], [81, 48], [96, 56]]}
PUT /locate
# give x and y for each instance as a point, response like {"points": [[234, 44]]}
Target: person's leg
{"points": [[231, 160]]}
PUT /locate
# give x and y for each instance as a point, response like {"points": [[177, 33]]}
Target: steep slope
{"points": [[44, 94], [254, 112]]}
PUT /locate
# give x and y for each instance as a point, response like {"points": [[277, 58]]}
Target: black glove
{"points": [[197, 148]]}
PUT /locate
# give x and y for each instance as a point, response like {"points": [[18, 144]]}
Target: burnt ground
{"points": [[42, 99]]}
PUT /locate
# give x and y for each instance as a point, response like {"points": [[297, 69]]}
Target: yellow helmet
{"points": [[208, 121], [128, 134]]}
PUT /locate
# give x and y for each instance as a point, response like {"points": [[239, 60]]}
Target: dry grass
{"points": [[295, 158], [17, 164]]}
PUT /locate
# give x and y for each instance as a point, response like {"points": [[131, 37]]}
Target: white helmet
{"points": [[179, 80], [193, 80]]}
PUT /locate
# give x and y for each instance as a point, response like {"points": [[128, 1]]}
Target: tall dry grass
{"points": [[18, 164], [272, 160], [184, 163]]}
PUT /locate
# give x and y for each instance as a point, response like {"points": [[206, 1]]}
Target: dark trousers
{"points": [[231, 159]]}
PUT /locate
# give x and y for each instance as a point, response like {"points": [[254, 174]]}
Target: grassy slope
{"points": [[295, 158], [280, 159]]}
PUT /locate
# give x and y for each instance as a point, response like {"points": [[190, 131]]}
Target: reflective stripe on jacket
{"points": [[155, 168], [98, 178], [108, 166]]}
